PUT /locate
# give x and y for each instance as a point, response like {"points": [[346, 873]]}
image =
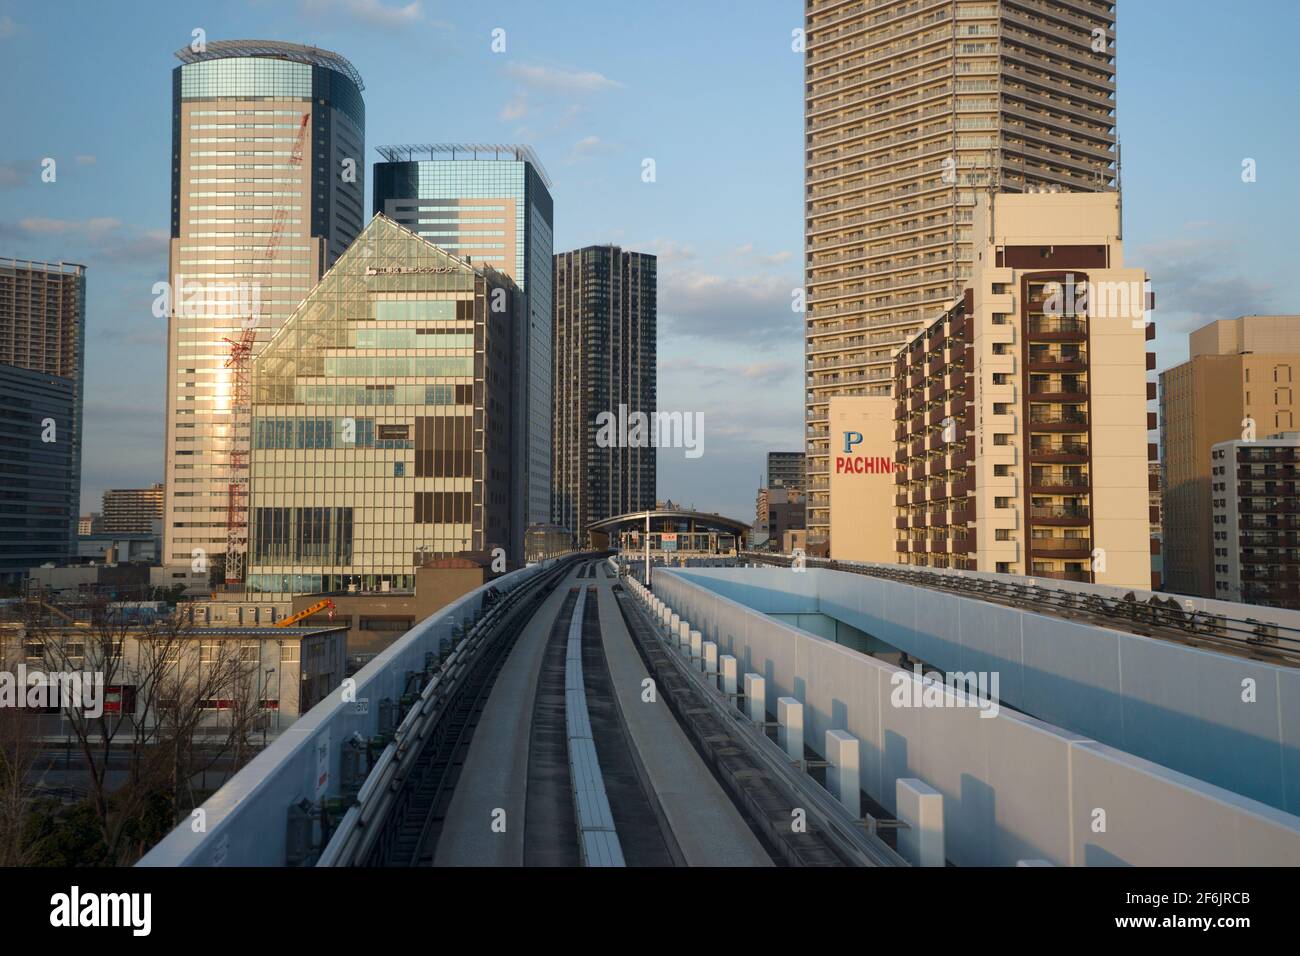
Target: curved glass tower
{"points": [[268, 187]]}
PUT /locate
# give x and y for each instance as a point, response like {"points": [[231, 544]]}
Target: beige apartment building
{"points": [[913, 108], [1240, 375], [267, 190], [1022, 413], [133, 510]]}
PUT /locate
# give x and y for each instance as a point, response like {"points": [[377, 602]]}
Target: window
{"points": [[386, 623]]}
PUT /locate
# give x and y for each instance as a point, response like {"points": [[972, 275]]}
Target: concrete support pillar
{"points": [[696, 649], [710, 662], [920, 806], [843, 776], [728, 665], [755, 697], [789, 732], [684, 636]]}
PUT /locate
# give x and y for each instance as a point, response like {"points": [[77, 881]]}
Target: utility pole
{"points": [[647, 548]]}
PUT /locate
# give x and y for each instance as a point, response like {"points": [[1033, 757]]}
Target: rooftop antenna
{"points": [[1119, 183]]}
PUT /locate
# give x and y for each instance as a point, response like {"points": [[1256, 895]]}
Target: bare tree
{"points": [[19, 748], [192, 707]]}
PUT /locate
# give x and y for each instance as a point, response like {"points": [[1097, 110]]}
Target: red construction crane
{"points": [[241, 418]]}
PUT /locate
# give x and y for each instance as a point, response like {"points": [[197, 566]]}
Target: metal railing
{"points": [[1163, 616]]}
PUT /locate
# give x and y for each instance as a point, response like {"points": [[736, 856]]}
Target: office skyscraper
{"points": [[491, 204], [268, 189], [605, 320], [42, 373], [912, 109]]}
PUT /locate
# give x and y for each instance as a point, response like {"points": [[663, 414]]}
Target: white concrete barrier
{"points": [[844, 775], [1016, 787], [710, 662], [1175, 705], [756, 697], [696, 650], [728, 668], [789, 732], [920, 806]]}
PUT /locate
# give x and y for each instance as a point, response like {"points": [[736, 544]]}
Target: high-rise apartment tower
{"points": [[605, 319], [912, 109]]}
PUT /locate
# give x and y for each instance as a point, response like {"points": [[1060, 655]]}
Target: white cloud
{"points": [[373, 12], [103, 239], [516, 109], [586, 148], [91, 228], [1200, 280], [706, 305], [553, 78]]}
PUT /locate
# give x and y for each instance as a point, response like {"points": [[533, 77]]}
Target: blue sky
{"points": [[708, 89]]}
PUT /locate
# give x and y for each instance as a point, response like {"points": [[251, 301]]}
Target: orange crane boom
{"points": [[306, 612]]}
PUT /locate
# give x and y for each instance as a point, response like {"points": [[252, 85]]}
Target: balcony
{"points": [[1063, 453], [1082, 577], [1044, 418], [1064, 515], [1058, 484], [1061, 547], [1051, 328], [1046, 362]]}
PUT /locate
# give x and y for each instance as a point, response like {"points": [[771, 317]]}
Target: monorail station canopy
{"points": [[674, 533]]}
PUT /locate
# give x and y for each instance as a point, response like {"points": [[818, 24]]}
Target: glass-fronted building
{"points": [[381, 421], [491, 204], [40, 469], [268, 189], [42, 330]]}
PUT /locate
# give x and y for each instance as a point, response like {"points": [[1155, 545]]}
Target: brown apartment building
{"points": [[913, 108], [1240, 374], [1022, 413]]}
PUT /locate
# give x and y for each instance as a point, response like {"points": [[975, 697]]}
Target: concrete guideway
{"points": [[707, 827], [495, 773], [697, 818]]}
